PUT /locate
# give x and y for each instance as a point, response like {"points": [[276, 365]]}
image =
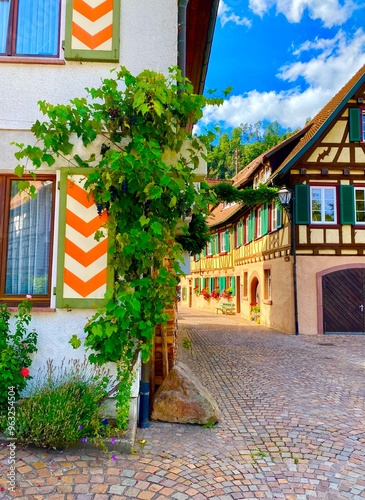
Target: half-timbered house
{"points": [[299, 270]]}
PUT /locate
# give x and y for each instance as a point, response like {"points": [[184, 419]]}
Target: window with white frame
{"points": [[259, 222], [323, 205], [267, 284], [29, 28], [222, 242], [360, 205], [274, 216]]}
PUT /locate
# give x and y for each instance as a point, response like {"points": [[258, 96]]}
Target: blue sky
{"points": [[284, 58]]}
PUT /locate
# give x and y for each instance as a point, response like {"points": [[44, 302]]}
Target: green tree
{"points": [[242, 145]]}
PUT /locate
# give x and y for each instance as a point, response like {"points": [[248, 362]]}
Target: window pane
{"points": [[316, 205], [29, 240], [360, 205], [329, 205], [4, 20], [37, 30]]}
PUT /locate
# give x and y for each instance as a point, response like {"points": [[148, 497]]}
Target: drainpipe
{"points": [[144, 396], [294, 252], [181, 36]]}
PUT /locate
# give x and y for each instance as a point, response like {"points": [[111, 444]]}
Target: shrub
{"points": [[15, 350], [63, 405]]}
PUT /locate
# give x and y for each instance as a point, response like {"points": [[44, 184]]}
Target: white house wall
{"points": [[148, 40]]}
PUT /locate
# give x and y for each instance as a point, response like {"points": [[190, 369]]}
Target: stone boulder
{"points": [[183, 399]]}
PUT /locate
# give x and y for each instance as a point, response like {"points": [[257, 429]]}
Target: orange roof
{"points": [[220, 214]]}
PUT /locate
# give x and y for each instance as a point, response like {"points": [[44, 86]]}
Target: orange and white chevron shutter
{"points": [[83, 277], [92, 30]]}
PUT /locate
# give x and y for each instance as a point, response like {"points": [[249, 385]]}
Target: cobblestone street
{"points": [[292, 426]]}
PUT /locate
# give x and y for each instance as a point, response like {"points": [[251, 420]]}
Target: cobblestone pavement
{"points": [[292, 427]]}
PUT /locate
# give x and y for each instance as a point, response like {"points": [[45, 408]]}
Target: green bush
{"points": [[63, 406], [15, 350]]}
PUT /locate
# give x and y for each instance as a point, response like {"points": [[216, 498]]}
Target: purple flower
{"points": [[84, 440], [105, 421], [112, 441], [79, 427], [114, 458]]}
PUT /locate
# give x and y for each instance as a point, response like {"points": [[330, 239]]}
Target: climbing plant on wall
{"points": [[142, 159]]}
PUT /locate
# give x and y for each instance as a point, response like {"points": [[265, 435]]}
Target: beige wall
{"points": [[307, 269]]}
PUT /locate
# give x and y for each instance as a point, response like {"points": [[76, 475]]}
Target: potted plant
{"points": [[255, 312]]}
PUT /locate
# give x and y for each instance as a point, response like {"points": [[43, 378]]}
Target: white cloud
{"points": [[323, 76], [326, 70], [225, 15], [330, 12]]}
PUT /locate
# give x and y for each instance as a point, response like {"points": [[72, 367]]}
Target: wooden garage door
{"points": [[343, 301]]}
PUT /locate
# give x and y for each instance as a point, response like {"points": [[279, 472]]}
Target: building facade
{"points": [[301, 270]]}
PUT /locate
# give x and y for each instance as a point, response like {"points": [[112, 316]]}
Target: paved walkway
{"points": [[292, 427]]}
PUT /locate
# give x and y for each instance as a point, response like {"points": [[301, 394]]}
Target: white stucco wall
{"points": [[148, 40]]}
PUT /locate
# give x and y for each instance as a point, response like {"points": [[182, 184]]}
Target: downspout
{"points": [[295, 284], [181, 36]]}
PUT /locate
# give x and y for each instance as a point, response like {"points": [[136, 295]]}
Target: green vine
{"points": [[143, 176], [146, 182]]}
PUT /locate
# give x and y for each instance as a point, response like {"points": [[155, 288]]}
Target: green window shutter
{"points": [[264, 219], [226, 237], [233, 285], [347, 204], [83, 274], [92, 33], [204, 281], [197, 257], [302, 204], [216, 243], [205, 251], [279, 216], [239, 233], [211, 284], [355, 124], [222, 283], [251, 226]]}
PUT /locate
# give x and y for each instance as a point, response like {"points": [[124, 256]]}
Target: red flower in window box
{"points": [[215, 294], [205, 293]]}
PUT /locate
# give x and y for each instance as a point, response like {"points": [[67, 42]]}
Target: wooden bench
{"points": [[227, 308]]}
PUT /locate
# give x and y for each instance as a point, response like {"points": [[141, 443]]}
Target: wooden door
{"points": [[344, 301]]}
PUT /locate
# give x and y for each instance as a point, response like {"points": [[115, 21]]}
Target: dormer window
{"points": [[225, 204], [262, 176]]}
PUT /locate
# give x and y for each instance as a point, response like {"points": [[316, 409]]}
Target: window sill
{"points": [[32, 60], [35, 309], [267, 302]]}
